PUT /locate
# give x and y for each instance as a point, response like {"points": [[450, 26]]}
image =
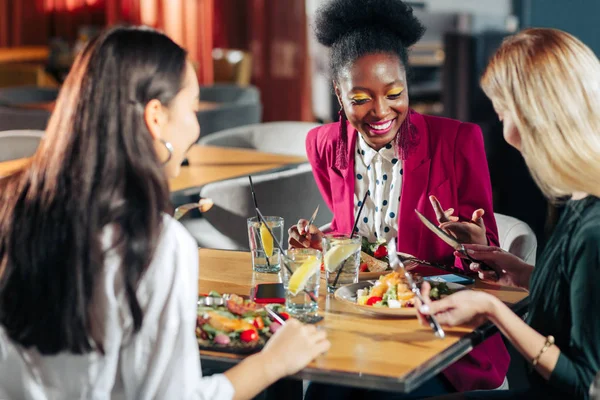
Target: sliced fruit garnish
{"points": [[338, 254], [303, 274], [267, 240]]}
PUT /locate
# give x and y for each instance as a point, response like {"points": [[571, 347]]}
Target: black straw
{"points": [[281, 252], [364, 200], [258, 219]]}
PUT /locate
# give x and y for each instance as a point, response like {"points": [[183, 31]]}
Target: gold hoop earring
{"points": [[169, 148]]}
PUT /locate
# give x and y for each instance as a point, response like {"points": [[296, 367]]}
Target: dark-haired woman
{"points": [[98, 284], [405, 160]]}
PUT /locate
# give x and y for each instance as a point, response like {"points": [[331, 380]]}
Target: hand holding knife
{"points": [[455, 244]]}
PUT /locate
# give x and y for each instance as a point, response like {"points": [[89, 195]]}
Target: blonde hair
{"points": [[549, 83]]}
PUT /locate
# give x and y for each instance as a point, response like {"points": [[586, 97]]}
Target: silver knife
{"points": [[455, 244], [312, 219], [397, 265]]}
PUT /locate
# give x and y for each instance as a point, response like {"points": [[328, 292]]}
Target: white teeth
{"points": [[381, 127]]}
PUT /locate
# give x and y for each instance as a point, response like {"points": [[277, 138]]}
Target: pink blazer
{"points": [[449, 162]]}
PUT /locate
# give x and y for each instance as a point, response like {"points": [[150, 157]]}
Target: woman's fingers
{"points": [[296, 239], [302, 226], [477, 218], [484, 275], [437, 208], [481, 248]]}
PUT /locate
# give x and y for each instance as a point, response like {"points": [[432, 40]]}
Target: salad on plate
{"points": [[233, 324]]}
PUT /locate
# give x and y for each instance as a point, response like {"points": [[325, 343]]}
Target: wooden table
{"points": [[207, 164], [366, 351], [24, 54]]}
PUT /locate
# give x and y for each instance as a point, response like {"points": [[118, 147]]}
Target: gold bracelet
{"points": [[547, 345]]}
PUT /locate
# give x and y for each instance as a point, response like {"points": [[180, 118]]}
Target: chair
{"points": [[232, 66], [15, 96], [517, 238], [290, 193], [19, 144], [595, 388], [12, 118], [271, 137], [239, 106], [13, 111]]}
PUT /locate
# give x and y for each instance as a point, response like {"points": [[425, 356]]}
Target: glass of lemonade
{"points": [[342, 255], [265, 254], [301, 281]]}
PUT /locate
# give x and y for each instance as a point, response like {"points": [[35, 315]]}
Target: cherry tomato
{"points": [[364, 267], [372, 300], [258, 323], [248, 336], [380, 252], [284, 316]]}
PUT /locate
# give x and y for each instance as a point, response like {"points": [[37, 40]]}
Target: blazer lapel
{"points": [[415, 181], [349, 184]]}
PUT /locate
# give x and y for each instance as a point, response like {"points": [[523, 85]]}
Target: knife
{"points": [[398, 266], [312, 218], [455, 244]]}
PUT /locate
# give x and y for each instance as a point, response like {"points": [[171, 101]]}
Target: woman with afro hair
{"points": [[404, 160]]}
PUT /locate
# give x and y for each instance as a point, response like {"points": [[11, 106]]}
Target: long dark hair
{"points": [[96, 167]]}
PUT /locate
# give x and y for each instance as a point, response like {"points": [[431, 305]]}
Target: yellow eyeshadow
{"points": [[394, 92], [360, 96]]}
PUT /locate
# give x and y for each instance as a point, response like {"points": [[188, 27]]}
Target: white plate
{"points": [[347, 294]]}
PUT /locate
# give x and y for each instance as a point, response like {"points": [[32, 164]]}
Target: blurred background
{"points": [[258, 61]]}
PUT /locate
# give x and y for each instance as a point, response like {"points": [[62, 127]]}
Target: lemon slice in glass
{"points": [[267, 240], [338, 254], [300, 276]]}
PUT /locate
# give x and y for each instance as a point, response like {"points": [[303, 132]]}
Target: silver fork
{"points": [[204, 205]]}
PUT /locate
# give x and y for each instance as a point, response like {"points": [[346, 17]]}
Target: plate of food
{"points": [[232, 324], [374, 260], [390, 294]]}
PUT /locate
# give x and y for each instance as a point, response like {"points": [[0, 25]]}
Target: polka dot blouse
{"points": [[380, 173]]}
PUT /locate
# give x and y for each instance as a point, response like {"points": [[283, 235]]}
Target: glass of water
{"points": [[342, 260], [301, 281], [265, 254]]}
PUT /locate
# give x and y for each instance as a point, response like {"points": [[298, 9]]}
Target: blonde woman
{"points": [[545, 87]]}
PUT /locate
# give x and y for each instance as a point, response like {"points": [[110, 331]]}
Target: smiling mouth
{"points": [[381, 127]]}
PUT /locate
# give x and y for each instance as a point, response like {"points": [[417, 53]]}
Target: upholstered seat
{"points": [[270, 137]]}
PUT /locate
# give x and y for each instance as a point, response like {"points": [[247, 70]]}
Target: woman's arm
{"points": [[571, 372], [474, 188], [318, 163], [162, 360]]}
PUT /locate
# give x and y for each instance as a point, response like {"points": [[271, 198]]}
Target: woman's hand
{"points": [[301, 236], [472, 231], [466, 307], [293, 346], [508, 269]]}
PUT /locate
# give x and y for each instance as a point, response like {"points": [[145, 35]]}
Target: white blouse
{"points": [[379, 173], [161, 361]]}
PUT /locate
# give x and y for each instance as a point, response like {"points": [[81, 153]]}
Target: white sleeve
{"points": [[162, 360]]}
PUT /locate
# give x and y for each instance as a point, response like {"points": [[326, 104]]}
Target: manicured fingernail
{"points": [[471, 251], [474, 266], [424, 309]]}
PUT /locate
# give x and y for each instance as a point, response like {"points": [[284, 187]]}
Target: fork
{"points": [[204, 205]]}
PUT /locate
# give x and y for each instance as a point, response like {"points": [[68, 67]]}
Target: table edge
{"points": [[405, 384]]}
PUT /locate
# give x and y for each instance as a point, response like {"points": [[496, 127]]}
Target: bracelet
{"points": [[547, 345]]}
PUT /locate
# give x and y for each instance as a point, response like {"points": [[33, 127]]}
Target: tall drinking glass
{"points": [[342, 257], [301, 281], [265, 254]]}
